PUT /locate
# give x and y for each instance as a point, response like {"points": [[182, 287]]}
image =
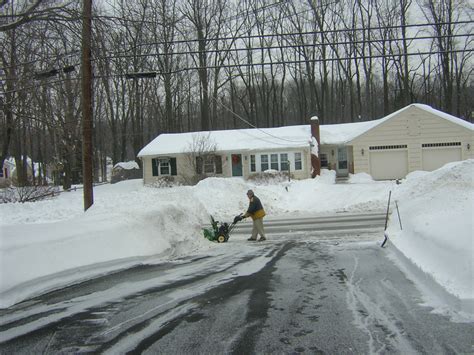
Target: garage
{"points": [[435, 155], [388, 162]]}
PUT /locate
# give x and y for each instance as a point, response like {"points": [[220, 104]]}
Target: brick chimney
{"points": [[315, 143]]}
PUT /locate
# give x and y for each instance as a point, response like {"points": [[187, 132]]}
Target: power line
{"points": [[288, 62], [246, 65], [141, 21], [253, 126], [332, 44], [293, 46], [305, 33], [267, 48], [234, 17], [235, 38], [54, 56]]}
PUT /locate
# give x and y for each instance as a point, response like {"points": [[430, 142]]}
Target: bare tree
{"points": [[15, 14], [200, 151], [443, 14]]}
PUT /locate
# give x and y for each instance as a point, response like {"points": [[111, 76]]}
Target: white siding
{"points": [[185, 169]]}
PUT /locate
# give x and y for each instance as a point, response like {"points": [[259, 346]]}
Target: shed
{"points": [[125, 171]]}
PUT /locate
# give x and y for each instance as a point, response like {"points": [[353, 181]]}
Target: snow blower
{"points": [[220, 231]]}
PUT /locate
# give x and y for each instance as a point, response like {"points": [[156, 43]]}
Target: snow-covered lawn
{"points": [[51, 243]]}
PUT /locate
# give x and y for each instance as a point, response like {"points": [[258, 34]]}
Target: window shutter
{"points": [[154, 166], [173, 166], [218, 162], [199, 165]]}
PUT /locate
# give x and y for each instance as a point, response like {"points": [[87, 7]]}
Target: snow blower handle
{"points": [[238, 218]]}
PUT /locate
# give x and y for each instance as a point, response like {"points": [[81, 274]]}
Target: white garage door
{"points": [[435, 155], [388, 162]]}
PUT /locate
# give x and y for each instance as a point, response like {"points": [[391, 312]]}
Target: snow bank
{"points": [[360, 178], [51, 243], [437, 213], [120, 230]]}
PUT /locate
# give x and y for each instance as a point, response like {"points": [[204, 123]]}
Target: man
{"points": [[257, 213]]}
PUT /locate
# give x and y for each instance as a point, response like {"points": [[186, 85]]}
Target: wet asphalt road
{"points": [[334, 293]]}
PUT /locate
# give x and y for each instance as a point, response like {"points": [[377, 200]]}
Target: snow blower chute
{"points": [[220, 231]]}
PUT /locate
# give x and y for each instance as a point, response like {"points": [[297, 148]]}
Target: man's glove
{"points": [[238, 218]]}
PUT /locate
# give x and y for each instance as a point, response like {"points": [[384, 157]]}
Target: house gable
{"points": [[413, 121]]}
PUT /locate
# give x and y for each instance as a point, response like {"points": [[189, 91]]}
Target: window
{"points": [[324, 160], [274, 161], [163, 166], [284, 162], [298, 162], [382, 147], [263, 162], [209, 166], [253, 166], [450, 144]]}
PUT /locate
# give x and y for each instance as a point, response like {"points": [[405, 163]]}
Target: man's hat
{"points": [[249, 193]]}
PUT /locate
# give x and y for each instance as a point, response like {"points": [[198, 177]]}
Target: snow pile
{"points": [[360, 178], [124, 227], [327, 176], [437, 213]]}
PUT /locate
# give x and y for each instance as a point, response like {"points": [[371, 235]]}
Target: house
{"points": [[416, 137], [226, 153], [9, 170], [125, 171]]}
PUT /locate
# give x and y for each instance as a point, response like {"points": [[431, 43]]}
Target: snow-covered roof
{"points": [[127, 165], [250, 139], [253, 139], [433, 111], [344, 132]]}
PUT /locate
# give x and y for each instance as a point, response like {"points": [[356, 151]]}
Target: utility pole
{"points": [[87, 104]]}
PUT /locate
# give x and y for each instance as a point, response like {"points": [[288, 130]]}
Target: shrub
{"points": [[269, 177], [27, 193], [4, 183], [165, 181]]}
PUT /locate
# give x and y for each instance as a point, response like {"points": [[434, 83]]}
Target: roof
{"points": [[441, 114], [258, 139], [251, 139], [128, 165]]}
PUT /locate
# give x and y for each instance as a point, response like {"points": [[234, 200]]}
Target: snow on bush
{"points": [[270, 177]]}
